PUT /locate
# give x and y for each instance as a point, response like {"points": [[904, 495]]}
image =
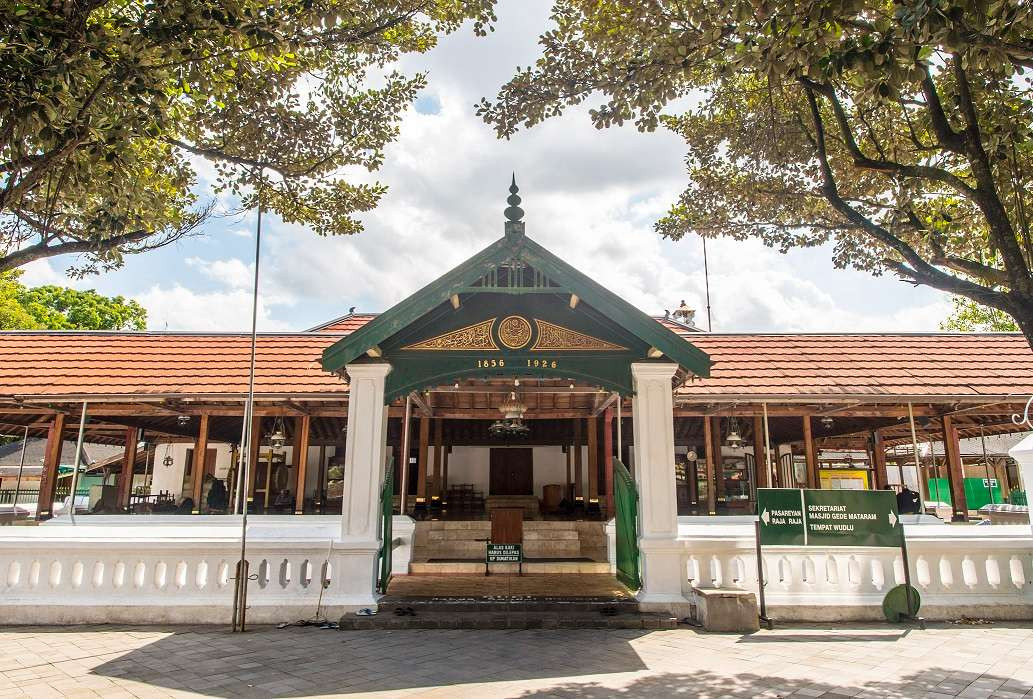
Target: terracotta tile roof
{"points": [[935, 364], [789, 365], [344, 324], [71, 363]]}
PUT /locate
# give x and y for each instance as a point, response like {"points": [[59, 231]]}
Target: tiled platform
{"points": [[507, 586], [857, 660]]}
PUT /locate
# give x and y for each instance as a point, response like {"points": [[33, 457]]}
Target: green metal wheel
{"points": [[899, 604]]}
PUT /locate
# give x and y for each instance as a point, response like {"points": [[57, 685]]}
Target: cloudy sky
{"points": [[590, 196]]}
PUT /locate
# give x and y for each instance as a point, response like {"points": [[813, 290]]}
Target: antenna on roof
{"points": [[513, 212]]}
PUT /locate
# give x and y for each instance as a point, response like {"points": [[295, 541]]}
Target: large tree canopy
{"points": [[897, 131], [108, 106], [60, 308]]}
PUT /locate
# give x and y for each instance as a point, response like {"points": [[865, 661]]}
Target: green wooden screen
{"points": [[625, 497], [387, 507]]}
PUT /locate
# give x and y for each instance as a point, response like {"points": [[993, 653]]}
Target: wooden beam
{"points": [[810, 452], [51, 460], [882, 480], [421, 460], [421, 402], [608, 459], [708, 438], [760, 462], [955, 469], [125, 479], [302, 428], [593, 458], [197, 467]]}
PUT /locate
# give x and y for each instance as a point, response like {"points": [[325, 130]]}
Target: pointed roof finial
{"points": [[513, 212]]}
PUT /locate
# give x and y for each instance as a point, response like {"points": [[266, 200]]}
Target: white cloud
{"points": [[590, 196], [179, 308]]}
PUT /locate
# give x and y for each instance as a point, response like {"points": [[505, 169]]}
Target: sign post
{"points": [[794, 517], [504, 553]]}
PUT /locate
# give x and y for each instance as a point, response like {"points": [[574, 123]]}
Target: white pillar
{"points": [[364, 452], [1023, 455], [355, 562], [652, 409]]}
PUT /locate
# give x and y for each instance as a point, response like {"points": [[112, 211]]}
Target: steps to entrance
{"points": [[447, 546], [509, 613]]}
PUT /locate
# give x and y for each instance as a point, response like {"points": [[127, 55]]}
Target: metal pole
{"points": [[240, 590], [922, 493], [21, 467], [767, 446], [986, 466], [706, 280], [403, 505], [78, 459], [760, 577]]}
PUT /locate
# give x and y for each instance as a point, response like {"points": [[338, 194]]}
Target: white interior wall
{"points": [[471, 465]]}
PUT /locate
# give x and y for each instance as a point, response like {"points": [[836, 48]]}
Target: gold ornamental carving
{"points": [[514, 332], [555, 337], [472, 337]]}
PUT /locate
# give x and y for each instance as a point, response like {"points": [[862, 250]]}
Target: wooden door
{"points": [[512, 472]]}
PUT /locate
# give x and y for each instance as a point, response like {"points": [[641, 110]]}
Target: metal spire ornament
{"points": [[513, 212]]}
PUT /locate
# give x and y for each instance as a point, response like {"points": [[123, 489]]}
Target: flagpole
{"points": [[240, 589]]}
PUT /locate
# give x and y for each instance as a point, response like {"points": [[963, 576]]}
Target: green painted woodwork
{"points": [[625, 497], [387, 506], [793, 517], [480, 284], [976, 492]]}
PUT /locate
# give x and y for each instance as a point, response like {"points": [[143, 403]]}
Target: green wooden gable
{"points": [[513, 309]]}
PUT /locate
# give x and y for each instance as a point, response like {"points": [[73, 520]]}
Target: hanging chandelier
{"points": [[512, 422], [734, 438]]}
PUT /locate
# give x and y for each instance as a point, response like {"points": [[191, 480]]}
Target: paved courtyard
{"points": [[807, 661]]}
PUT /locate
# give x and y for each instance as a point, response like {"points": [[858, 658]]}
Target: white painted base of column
{"points": [[663, 577]]}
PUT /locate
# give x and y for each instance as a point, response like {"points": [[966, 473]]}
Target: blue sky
{"points": [[590, 196]]}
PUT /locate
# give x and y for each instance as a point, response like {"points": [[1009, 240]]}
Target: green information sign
{"points": [[504, 553], [791, 517]]}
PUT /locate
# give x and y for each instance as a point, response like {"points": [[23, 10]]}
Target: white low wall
{"points": [[974, 571], [168, 569]]}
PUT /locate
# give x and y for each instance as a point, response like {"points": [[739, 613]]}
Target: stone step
{"points": [[544, 567], [511, 603], [509, 620]]}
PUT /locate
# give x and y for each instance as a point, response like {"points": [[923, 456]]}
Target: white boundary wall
{"points": [[959, 570], [176, 569]]}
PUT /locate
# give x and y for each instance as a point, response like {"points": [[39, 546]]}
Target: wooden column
{"points": [[608, 459], [421, 460], [51, 460], [302, 428], [436, 488], [882, 480], [578, 470], [321, 479], [252, 460], [593, 459], [811, 453], [567, 493], [125, 479], [719, 462], [444, 469], [197, 466], [955, 470], [760, 461], [708, 437]]}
